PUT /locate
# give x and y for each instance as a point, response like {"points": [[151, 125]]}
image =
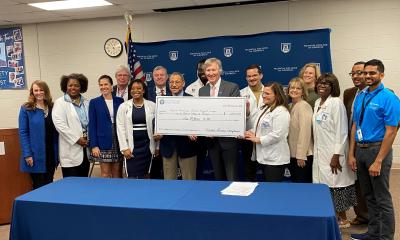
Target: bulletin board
{"points": [[12, 66]]}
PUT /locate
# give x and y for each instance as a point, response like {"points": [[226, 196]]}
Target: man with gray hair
{"points": [[160, 77], [222, 150], [123, 77]]}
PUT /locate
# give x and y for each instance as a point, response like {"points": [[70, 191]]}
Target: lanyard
{"points": [[363, 106]]}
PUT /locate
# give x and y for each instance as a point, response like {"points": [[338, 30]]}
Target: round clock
{"points": [[113, 47]]}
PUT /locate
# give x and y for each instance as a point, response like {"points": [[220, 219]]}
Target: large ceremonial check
{"points": [[201, 116]]}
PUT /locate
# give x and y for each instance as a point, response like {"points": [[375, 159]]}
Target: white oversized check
{"points": [[201, 116]]}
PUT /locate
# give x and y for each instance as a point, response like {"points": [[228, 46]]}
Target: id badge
{"points": [[359, 135]]}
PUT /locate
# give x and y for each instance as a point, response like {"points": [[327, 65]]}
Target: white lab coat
{"points": [[254, 106], [68, 125], [125, 125], [330, 137], [194, 87], [273, 129]]}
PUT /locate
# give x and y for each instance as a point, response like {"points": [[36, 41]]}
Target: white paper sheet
{"points": [[240, 189]]}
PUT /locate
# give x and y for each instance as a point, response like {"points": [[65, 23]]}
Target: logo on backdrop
{"points": [[228, 51], [148, 76], [318, 65], [173, 55], [285, 47]]}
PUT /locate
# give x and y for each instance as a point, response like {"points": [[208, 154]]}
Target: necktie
{"points": [[162, 92], [213, 91]]}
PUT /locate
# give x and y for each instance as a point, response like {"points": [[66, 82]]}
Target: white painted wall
{"points": [[361, 30]]}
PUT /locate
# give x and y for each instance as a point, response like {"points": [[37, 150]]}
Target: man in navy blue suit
{"points": [[160, 77], [178, 149]]}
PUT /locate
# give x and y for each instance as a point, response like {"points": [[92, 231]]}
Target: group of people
{"points": [[306, 128]]}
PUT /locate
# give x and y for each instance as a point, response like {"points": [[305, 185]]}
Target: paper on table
{"points": [[240, 189]]}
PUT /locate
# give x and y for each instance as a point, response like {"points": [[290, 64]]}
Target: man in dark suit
{"points": [[123, 77], [159, 88], [222, 150], [349, 95], [178, 149]]}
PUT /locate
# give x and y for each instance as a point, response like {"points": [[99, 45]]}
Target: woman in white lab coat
{"points": [[270, 133], [135, 131], [331, 146], [70, 117]]}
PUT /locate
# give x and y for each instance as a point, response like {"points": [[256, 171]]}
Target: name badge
{"points": [[359, 135]]}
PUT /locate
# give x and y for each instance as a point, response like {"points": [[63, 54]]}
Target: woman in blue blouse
{"points": [[38, 136]]}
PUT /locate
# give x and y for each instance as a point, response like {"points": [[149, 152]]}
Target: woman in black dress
{"points": [[135, 131]]}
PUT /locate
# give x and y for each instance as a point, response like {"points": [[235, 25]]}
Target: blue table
{"points": [[95, 208]]}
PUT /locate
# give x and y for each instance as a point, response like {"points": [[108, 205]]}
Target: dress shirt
{"points": [[216, 85]]}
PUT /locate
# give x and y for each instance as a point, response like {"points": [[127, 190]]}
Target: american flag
{"points": [[133, 60]]}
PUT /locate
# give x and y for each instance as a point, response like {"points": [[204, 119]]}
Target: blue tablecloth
{"points": [[95, 208]]}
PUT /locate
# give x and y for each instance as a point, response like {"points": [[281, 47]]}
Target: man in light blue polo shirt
{"points": [[376, 115]]}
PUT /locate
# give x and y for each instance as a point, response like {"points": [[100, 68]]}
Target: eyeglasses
{"points": [[175, 82], [325, 83], [370, 73], [356, 73]]}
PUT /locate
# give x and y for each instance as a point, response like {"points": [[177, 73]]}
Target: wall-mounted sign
{"points": [[12, 67]]}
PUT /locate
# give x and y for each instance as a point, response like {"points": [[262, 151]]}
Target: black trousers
{"points": [[78, 171], [41, 179], [250, 167], [274, 173], [156, 171], [299, 174]]}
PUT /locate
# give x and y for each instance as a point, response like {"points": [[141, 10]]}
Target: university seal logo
{"points": [[228, 51], [285, 47], [173, 55]]}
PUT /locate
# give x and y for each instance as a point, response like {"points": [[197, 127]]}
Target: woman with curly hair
{"points": [[70, 117]]}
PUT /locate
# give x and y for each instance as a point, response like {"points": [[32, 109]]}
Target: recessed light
{"points": [[69, 4]]}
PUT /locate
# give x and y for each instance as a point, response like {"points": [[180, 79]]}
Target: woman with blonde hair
{"points": [[38, 136], [300, 132], [310, 73]]}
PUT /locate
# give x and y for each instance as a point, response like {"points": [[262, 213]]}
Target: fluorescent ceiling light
{"points": [[70, 4]]}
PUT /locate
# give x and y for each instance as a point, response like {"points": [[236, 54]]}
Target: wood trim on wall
{"points": [[13, 182]]}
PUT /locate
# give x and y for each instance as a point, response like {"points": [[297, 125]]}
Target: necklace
{"points": [[76, 101], [138, 106]]}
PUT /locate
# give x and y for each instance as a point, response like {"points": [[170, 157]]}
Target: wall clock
{"points": [[113, 47]]}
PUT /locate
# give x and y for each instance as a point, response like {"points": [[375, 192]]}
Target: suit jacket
{"points": [[185, 148], [151, 93], [114, 92], [348, 98], [226, 89], [100, 125]]}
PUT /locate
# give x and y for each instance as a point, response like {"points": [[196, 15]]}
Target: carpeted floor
{"points": [[395, 190]]}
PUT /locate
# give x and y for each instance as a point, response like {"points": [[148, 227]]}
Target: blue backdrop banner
{"points": [[12, 69], [280, 54]]}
